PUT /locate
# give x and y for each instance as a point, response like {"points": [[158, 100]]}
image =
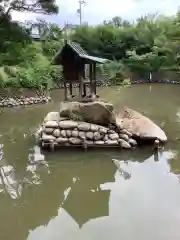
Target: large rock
{"points": [[139, 126], [94, 112], [52, 116]]}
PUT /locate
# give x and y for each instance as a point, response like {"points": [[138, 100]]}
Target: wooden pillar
{"points": [[91, 78], [70, 89], [80, 86], [94, 78], [84, 90], [65, 91]]}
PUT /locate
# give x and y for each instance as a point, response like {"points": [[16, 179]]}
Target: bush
{"points": [[115, 71]]}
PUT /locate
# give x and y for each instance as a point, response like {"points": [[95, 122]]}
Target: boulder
{"points": [[139, 126], [52, 116], [97, 112]]}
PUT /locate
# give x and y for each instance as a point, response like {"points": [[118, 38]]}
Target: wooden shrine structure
{"points": [[75, 61]]}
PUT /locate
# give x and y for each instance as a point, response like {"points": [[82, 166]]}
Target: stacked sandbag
{"points": [[57, 131]]}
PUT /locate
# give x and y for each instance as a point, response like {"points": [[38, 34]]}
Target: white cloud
{"points": [[95, 11]]}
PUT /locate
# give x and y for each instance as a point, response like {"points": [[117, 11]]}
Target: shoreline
{"points": [[24, 99], [157, 81]]}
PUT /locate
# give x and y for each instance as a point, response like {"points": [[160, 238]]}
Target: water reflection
{"points": [[12, 186], [77, 195], [36, 160], [145, 206]]}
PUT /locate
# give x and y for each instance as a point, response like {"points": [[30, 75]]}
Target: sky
{"points": [[95, 11]]}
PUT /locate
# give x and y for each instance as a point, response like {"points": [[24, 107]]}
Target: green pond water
{"points": [[77, 195]]}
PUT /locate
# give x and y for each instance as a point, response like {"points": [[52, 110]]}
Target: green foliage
{"points": [[151, 44], [3, 77], [27, 64], [37, 6], [115, 71]]}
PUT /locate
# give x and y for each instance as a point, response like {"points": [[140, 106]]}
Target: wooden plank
{"points": [[81, 146]]}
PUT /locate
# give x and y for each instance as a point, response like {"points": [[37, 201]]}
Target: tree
{"points": [[152, 43], [37, 6], [45, 30], [117, 22]]}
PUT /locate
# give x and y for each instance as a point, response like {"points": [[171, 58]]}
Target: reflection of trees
{"points": [[10, 185], [14, 187], [75, 187], [144, 206], [36, 160]]}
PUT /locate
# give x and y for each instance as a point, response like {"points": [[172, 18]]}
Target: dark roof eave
{"points": [[95, 59], [82, 54]]}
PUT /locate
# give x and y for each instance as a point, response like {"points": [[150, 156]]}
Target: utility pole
{"points": [[79, 11]]}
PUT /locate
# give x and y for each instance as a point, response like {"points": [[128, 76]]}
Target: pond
{"points": [[80, 195]]}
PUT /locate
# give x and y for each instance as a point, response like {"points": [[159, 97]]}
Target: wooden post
{"points": [[94, 78], [80, 86], [84, 90], [65, 91], [70, 89], [91, 78]]}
